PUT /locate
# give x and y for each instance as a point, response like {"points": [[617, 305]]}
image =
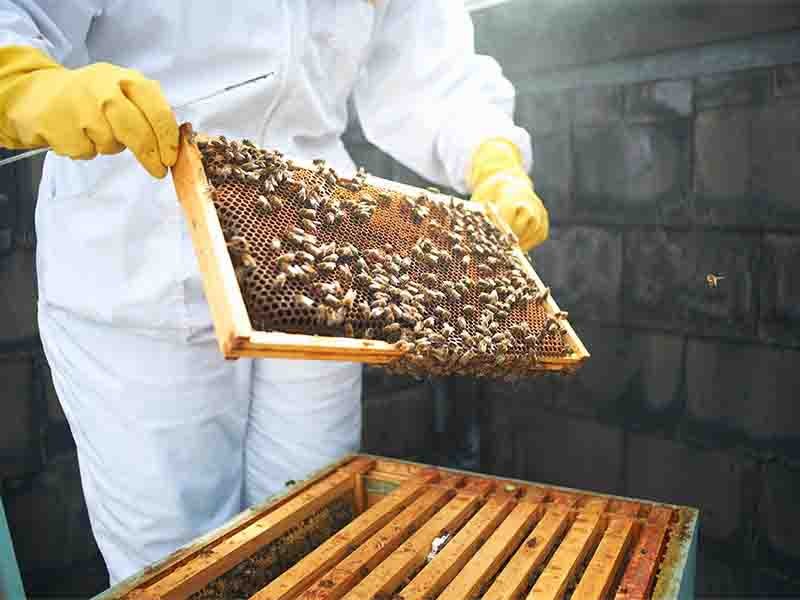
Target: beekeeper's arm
{"points": [[433, 104], [82, 112]]}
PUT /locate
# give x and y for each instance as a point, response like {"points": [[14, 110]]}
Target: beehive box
{"points": [[370, 528], [301, 262]]}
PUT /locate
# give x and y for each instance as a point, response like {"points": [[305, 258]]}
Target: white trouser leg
{"points": [[159, 426], [303, 416]]}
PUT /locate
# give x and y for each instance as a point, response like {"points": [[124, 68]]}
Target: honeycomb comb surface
{"points": [[315, 253]]}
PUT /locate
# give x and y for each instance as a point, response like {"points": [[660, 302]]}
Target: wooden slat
{"points": [[593, 504], [599, 575], [640, 572], [513, 579], [231, 322], [624, 507], [446, 565], [341, 579], [389, 575], [488, 560], [215, 561], [301, 575], [567, 558], [564, 498]]}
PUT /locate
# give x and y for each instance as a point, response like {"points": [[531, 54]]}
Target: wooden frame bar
{"points": [[235, 334], [507, 539]]}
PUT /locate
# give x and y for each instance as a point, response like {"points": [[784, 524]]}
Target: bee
{"points": [[540, 297], [441, 312], [331, 258], [377, 313], [337, 318], [498, 337], [286, 258], [303, 300], [327, 267], [248, 262], [364, 310], [309, 225], [332, 301], [461, 322], [307, 213], [447, 329], [431, 260], [561, 314], [483, 345], [238, 244], [275, 244], [264, 205], [429, 322], [391, 328], [369, 333], [345, 270], [484, 269], [469, 311], [295, 238], [349, 298], [363, 278], [465, 260]]}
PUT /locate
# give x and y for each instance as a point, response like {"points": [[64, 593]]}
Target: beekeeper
{"points": [[171, 438]]}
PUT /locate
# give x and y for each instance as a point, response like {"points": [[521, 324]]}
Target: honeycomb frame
{"points": [[237, 337]]}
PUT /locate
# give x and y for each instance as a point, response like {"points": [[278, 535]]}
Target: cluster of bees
{"points": [[254, 573], [317, 253]]}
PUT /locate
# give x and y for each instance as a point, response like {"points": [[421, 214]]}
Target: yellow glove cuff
{"points": [[16, 64], [492, 156]]}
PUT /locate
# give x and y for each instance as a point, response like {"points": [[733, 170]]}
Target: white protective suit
{"points": [[171, 438]]}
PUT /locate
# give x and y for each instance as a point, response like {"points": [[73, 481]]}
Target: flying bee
{"points": [[713, 280]]}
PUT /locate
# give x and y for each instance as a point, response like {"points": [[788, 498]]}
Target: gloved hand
{"points": [[497, 177], [79, 113]]}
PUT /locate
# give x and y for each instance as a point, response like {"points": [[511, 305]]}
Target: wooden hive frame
{"points": [[234, 331], [508, 540]]}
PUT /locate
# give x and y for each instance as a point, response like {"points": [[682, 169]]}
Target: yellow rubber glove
{"points": [[497, 177], [98, 109]]}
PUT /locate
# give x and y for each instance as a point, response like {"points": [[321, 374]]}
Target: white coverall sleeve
{"points": [[58, 27], [427, 99]]}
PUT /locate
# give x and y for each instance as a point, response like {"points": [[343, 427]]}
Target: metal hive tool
{"points": [[362, 269], [372, 528]]}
